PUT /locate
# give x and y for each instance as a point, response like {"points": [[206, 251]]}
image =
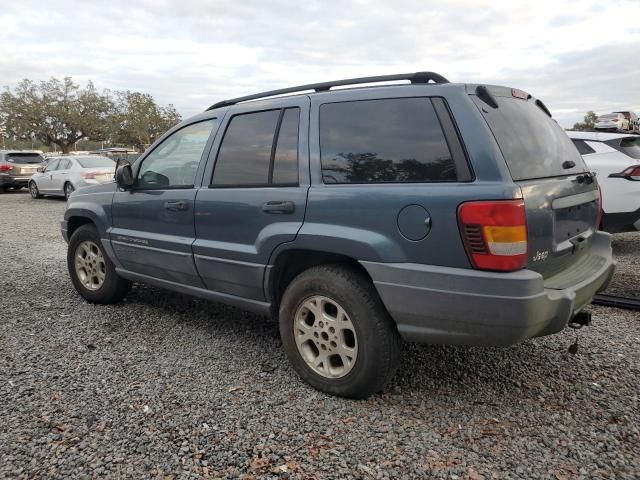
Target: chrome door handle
{"points": [[279, 207], [176, 206]]}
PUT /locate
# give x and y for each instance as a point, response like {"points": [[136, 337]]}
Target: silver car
{"points": [[63, 175]]}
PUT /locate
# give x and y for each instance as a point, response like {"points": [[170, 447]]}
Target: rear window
{"points": [[95, 162], [383, 141], [628, 146], [24, 158], [532, 143]]}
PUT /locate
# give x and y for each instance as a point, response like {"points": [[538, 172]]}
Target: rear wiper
{"points": [[543, 107], [485, 95]]}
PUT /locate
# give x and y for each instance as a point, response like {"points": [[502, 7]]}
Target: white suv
{"points": [[615, 157]]}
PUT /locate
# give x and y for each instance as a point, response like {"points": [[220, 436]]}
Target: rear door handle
{"points": [[176, 206], [279, 207]]}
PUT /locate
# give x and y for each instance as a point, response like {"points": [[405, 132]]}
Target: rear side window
{"points": [[582, 147], [384, 141], [259, 149], [532, 143]]}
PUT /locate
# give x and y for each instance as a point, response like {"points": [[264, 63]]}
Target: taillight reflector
{"points": [[495, 234], [600, 208], [6, 167]]}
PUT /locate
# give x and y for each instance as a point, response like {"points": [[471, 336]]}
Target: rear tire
{"points": [[33, 190], [92, 272], [339, 296], [68, 190]]}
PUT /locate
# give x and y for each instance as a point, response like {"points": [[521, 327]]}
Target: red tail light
{"points": [[6, 167], [495, 234], [632, 172], [88, 175]]}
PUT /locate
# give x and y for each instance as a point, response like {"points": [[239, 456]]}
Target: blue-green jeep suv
{"points": [[427, 211]]}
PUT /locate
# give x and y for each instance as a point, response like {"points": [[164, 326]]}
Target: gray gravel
{"points": [[626, 281], [165, 386]]}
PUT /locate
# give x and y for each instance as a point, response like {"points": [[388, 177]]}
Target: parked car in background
{"points": [[430, 211], [631, 122], [614, 122], [63, 175], [118, 154], [615, 157], [17, 166]]}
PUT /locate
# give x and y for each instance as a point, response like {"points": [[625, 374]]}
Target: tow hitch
{"points": [[580, 319]]}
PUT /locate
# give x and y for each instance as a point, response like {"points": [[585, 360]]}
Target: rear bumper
{"points": [[621, 222], [7, 181], [470, 307]]}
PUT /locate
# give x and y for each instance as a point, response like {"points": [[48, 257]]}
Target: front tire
{"points": [[337, 333], [92, 272], [33, 190]]}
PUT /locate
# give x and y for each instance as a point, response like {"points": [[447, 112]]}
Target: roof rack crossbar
{"points": [[418, 77]]}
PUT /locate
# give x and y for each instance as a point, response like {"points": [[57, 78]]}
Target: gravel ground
{"points": [[626, 281], [165, 386]]}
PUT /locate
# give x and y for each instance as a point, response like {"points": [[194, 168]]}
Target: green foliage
{"points": [[61, 112], [138, 120], [588, 123]]}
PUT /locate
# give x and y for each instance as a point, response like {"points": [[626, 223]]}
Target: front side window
{"points": [[381, 141], [259, 149], [175, 161]]}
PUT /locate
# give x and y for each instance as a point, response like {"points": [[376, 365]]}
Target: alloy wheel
{"points": [[325, 337], [90, 265]]}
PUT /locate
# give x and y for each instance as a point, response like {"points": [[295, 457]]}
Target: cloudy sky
{"points": [[574, 55]]}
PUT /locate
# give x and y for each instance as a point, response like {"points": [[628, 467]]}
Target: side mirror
{"points": [[41, 168], [124, 176]]}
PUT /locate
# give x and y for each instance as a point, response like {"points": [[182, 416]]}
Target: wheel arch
{"points": [[75, 222], [289, 263]]}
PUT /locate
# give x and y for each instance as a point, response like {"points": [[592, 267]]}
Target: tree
{"points": [[139, 121], [55, 112], [588, 123]]}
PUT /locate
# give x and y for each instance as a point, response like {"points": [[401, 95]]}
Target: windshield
{"points": [[95, 162], [532, 143], [25, 158], [629, 146]]}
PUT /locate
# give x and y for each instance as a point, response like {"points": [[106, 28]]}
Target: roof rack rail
{"points": [[417, 77]]}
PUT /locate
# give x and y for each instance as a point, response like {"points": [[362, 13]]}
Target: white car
{"points": [[62, 175], [615, 157], [612, 122]]}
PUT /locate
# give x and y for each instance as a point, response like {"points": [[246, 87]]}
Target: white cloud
{"points": [[575, 55]]}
